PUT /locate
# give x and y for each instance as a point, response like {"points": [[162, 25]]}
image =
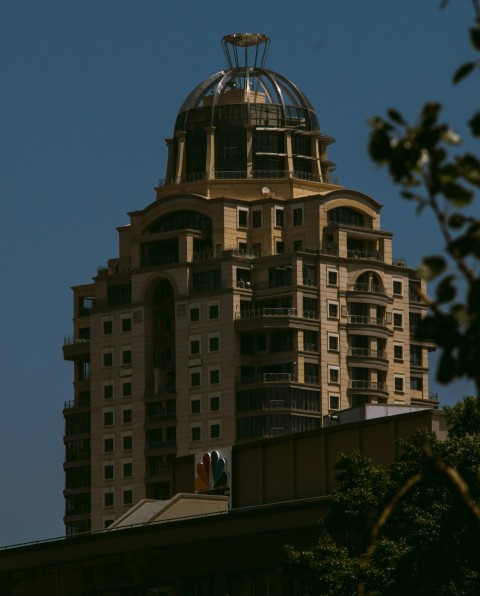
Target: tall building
{"points": [[252, 298]]}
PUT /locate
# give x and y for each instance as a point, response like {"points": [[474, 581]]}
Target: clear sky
{"points": [[90, 89]]}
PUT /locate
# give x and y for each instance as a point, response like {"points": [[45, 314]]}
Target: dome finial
{"points": [[233, 41]]}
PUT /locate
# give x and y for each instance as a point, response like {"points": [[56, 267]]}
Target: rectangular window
{"points": [[108, 499], [257, 249], [397, 288], [108, 472], [194, 347], [242, 217], [333, 342], [257, 218], [397, 352], [398, 319], [196, 433], [107, 418], [195, 379], [126, 324], [334, 402], [126, 416], [213, 312], [398, 381], [416, 383], [333, 374], [127, 497], [214, 377], [416, 355], [107, 327], [332, 277], [108, 359], [194, 315], [279, 217], [297, 245], [214, 404], [261, 342], [215, 431], [126, 389], [195, 406], [332, 310], [127, 443], [127, 469], [108, 445], [214, 344], [297, 216], [126, 357], [107, 391]]}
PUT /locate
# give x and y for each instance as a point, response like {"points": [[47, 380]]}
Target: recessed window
{"points": [[127, 442], [196, 433], [107, 327], [257, 218], [107, 445], [398, 381], [107, 418], [126, 357], [215, 431], [334, 402], [195, 406], [214, 344], [127, 416], [332, 309], [332, 277], [398, 320], [333, 374], [126, 389], [194, 347], [107, 391], [397, 288], [279, 247], [416, 383], [333, 342], [108, 359], [194, 315], [214, 376], [297, 216], [126, 324], [108, 500], [297, 245], [257, 249], [279, 220], [242, 248], [127, 469], [127, 497], [214, 404], [108, 472], [242, 217], [195, 379], [213, 312], [397, 352]]}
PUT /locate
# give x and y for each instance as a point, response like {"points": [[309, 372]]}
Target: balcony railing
{"points": [[365, 254], [310, 347], [277, 312], [369, 288], [312, 380], [399, 261], [370, 385], [257, 174], [158, 471], [308, 281], [267, 378], [160, 416], [161, 445], [366, 320], [414, 297], [366, 353], [70, 340]]}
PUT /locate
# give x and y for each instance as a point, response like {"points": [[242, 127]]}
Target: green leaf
{"points": [[446, 291], [456, 220], [474, 124], [457, 194], [475, 37], [431, 267], [446, 368], [463, 71], [395, 116]]}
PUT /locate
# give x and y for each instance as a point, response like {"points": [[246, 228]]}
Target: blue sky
{"points": [[89, 91]]}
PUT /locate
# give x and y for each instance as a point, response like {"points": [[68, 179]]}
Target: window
{"points": [[194, 346], [333, 342], [108, 419], [279, 217], [297, 216], [279, 247], [332, 277], [257, 218], [127, 469], [126, 324], [215, 431], [107, 445], [397, 352], [332, 309], [334, 402], [127, 416], [213, 311], [195, 379], [127, 497], [108, 499], [333, 374], [398, 383], [416, 355], [194, 315], [242, 217], [261, 342], [195, 406], [126, 357], [126, 389], [127, 442], [416, 383], [214, 404], [297, 245], [108, 472], [196, 433], [214, 344], [398, 319], [214, 376], [107, 327], [108, 359], [242, 247], [397, 288], [257, 249], [107, 391]]}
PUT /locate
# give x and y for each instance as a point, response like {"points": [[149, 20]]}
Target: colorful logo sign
{"points": [[211, 473]]}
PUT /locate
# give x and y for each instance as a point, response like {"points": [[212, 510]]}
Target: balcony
{"points": [[367, 288], [157, 472], [267, 378], [370, 386], [365, 254], [75, 347], [276, 317], [366, 320], [155, 445], [366, 353], [310, 347], [160, 416]]}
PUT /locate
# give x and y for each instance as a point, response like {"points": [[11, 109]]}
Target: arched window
{"points": [[349, 217], [182, 220]]}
